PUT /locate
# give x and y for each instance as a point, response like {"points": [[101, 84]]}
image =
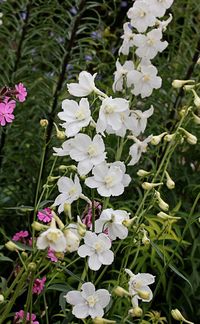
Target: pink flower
{"points": [[51, 255], [10, 102], [6, 110], [38, 285], [87, 220], [45, 215], [20, 315], [19, 236], [21, 92]]}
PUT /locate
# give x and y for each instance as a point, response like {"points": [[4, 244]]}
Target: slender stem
{"points": [[46, 308]]}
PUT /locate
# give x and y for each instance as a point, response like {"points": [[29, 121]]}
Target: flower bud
{"points": [[188, 87], [121, 292], [59, 255], [24, 255], [149, 186], [161, 203], [196, 99], [190, 138], [100, 320], [157, 139], [72, 240], [170, 183], [169, 137], [1, 299], [145, 239], [143, 294], [32, 266], [81, 228], [59, 134], [11, 246], [180, 83], [68, 210], [128, 222], [196, 119], [176, 314], [52, 179], [135, 312], [38, 226], [198, 61], [167, 217], [44, 122], [142, 173], [58, 221]]}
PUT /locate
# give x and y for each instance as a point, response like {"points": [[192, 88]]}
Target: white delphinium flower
{"points": [[87, 152], [97, 248], [108, 179], [88, 302], [64, 149], [52, 238], [85, 85], [140, 120], [144, 81], [76, 116], [127, 123], [121, 73], [70, 191], [126, 179], [109, 114], [112, 220], [150, 44], [127, 39], [162, 24], [160, 6], [138, 148], [139, 286], [141, 15]]}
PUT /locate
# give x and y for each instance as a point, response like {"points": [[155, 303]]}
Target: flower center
{"points": [[108, 181], [72, 191], [91, 301], [136, 284], [92, 150], [109, 109], [146, 78], [98, 247], [80, 115], [142, 14], [53, 236], [151, 41]]}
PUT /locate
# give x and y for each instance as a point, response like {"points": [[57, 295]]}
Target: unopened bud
{"points": [[196, 119], [196, 99], [81, 228], [128, 222], [121, 292], [52, 179], [170, 183], [180, 83], [38, 226], [176, 314], [59, 255], [44, 122], [145, 239], [135, 312], [165, 216], [59, 134], [24, 255], [169, 137], [190, 138], [32, 266], [1, 299], [188, 87], [142, 173], [198, 61], [68, 210], [157, 139], [143, 294], [161, 203], [11, 246], [100, 320], [149, 186]]}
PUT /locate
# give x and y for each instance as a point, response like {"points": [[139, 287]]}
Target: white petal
{"points": [[106, 257], [90, 238], [117, 230], [103, 296], [84, 250], [94, 263], [80, 311], [84, 167], [88, 289], [42, 242], [74, 297], [96, 311]]}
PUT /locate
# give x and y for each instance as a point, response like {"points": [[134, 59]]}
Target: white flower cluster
{"points": [[141, 76]]}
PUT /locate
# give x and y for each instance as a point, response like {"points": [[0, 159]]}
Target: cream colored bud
{"points": [[32, 266], [44, 122], [196, 99], [59, 134], [129, 222], [190, 138], [11, 246], [38, 226], [188, 87], [52, 179], [169, 137], [24, 255], [59, 255], [149, 186], [100, 320], [196, 119], [81, 228], [165, 216], [135, 312], [121, 292], [161, 203], [142, 173], [143, 294], [170, 183], [157, 139], [176, 314], [72, 240], [180, 83], [1, 299], [145, 239]]}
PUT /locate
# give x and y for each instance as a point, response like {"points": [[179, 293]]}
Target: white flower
{"points": [[72, 238], [76, 116], [150, 44], [65, 149], [84, 87], [142, 16], [70, 191], [127, 39], [144, 81], [109, 179], [164, 23], [88, 302], [109, 114], [112, 220], [52, 238], [127, 123], [138, 148], [140, 120], [160, 6], [139, 286], [97, 248], [120, 74], [87, 152]]}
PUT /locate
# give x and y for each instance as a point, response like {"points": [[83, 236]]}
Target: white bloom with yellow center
{"points": [[141, 15], [85, 85], [140, 120], [97, 248], [75, 116], [53, 238], [121, 74], [70, 191], [88, 302]]}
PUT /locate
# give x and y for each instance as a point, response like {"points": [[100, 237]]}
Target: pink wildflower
{"points": [[51, 255], [20, 315], [21, 92], [38, 285], [45, 215], [19, 236], [87, 220], [6, 110]]}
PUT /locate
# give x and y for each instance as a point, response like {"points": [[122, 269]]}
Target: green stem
{"points": [[29, 298]]}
